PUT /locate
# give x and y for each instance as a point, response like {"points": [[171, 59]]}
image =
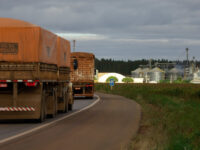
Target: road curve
{"points": [[109, 125], [15, 128]]}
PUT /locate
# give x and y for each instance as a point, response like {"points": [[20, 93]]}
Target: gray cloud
{"points": [[133, 29]]}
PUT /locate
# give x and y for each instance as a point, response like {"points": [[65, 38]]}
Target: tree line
{"points": [[125, 67]]}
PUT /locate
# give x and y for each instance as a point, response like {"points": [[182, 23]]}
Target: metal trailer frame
{"points": [[34, 90], [85, 89]]}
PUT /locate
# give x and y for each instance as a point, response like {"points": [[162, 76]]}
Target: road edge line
{"points": [[48, 124]]}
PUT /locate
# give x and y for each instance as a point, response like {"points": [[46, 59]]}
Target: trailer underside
{"points": [[25, 106], [85, 89], [33, 90]]}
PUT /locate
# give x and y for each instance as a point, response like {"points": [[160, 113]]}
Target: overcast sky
{"points": [[118, 29]]}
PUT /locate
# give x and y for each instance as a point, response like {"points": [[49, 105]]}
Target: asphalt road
{"points": [[108, 125], [10, 128]]}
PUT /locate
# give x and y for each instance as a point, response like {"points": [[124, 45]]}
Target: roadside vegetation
{"points": [[170, 115], [111, 77], [179, 80], [127, 80]]}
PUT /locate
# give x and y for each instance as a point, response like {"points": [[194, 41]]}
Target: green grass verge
{"points": [[170, 114]]}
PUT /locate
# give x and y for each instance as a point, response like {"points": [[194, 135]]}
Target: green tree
{"points": [[112, 77], [127, 80]]}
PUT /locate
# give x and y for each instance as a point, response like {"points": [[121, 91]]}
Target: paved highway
{"points": [[11, 128], [108, 125]]}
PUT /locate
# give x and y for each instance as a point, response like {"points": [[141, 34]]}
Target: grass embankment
{"points": [[170, 114]]}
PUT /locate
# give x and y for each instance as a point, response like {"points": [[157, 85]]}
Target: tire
{"points": [[54, 105], [89, 97], [43, 108], [66, 103], [70, 107]]}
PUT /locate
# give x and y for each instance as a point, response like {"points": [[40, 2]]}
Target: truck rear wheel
{"points": [[66, 102], [54, 104], [71, 99], [43, 108], [54, 111], [70, 106]]}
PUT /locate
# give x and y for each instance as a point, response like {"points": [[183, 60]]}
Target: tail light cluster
{"points": [[3, 85], [89, 85], [31, 84], [28, 83]]}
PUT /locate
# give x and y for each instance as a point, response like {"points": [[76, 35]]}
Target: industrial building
{"points": [[196, 77], [156, 74], [169, 71], [149, 75], [138, 73], [174, 74], [102, 77]]}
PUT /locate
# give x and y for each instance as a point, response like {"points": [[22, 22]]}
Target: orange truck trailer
{"points": [[82, 74], [34, 72]]}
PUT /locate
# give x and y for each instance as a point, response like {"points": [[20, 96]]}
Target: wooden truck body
{"points": [[34, 71], [82, 74]]}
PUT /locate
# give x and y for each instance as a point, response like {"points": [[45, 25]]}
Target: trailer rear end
{"points": [[34, 79], [82, 75]]}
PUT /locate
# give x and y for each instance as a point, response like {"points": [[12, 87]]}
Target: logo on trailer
{"points": [[8, 48]]}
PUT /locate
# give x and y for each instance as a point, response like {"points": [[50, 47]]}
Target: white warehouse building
{"points": [[102, 77]]}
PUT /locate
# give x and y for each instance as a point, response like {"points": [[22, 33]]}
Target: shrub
{"points": [[127, 80], [164, 81], [112, 77]]}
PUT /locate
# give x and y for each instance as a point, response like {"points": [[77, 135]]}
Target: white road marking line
{"points": [[50, 123]]}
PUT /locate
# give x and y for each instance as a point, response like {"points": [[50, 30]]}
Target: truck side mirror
{"points": [[95, 71], [75, 64]]}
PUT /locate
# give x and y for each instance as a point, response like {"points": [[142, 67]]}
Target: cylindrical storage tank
{"points": [[145, 72], [197, 74], [156, 74], [137, 73], [174, 74]]}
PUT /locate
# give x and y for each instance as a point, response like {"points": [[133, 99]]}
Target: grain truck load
{"points": [[26, 42], [63, 57], [34, 72], [82, 73], [64, 53], [85, 66], [24, 46]]}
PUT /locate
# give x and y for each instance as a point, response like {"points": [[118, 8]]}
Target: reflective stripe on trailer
{"points": [[17, 109], [5, 81]]}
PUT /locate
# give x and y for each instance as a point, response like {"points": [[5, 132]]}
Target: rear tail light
{"points": [[31, 84], [3, 85], [89, 85]]}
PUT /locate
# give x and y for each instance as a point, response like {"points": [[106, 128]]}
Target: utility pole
{"points": [[150, 66], [193, 64], [187, 58], [74, 45], [186, 74]]}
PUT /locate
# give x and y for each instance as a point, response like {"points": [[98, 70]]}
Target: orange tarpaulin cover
{"points": [[63, 55], [24, 42]]}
